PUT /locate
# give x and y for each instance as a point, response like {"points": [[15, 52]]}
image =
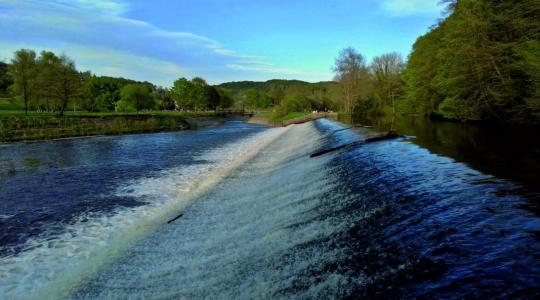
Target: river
{"points": [[88, 218]]}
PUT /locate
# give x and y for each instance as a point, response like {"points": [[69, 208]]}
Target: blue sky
{"points": [[219, 40]]}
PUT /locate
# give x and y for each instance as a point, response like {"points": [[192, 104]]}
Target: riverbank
{"points": [[268, 119], [45, 126]]}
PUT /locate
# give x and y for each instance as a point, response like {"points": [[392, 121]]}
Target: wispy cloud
{"points": [[98, 35], [265, 68], [112, 7], [105, 61], [411, 7]]}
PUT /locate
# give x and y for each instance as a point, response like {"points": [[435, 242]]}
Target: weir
{"points": [[261, 219]]}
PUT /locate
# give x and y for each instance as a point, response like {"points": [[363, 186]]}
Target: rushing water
{"points": [[87, 218]]}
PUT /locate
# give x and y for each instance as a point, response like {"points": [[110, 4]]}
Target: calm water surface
{"points": [[424, 217]]}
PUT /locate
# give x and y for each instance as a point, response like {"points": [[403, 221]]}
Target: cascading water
{"points": [[261, 219]]}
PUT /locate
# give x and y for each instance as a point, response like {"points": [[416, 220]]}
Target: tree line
{"points": [[482, 62], [359, 87], [284, 96], [369, 88], [196, 94], [50, 82]]}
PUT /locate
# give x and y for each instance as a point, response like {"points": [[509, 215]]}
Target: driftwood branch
{"points": [[175, 218], [371, 139]]}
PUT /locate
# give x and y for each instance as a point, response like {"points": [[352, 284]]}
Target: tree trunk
{"points": [[25, 96], [25, 104], [64, 100], [393, 104]]}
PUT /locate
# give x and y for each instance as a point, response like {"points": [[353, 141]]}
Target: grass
{"points": [[273, 119], [16, 126], [265, 114], [106, 114], [290, 116], [9, 104], [276, 118]]}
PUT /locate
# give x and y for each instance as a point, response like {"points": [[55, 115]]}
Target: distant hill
{"points": [[266, 86], [278, 89]]}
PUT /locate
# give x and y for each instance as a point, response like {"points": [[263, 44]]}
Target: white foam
{"points": [[253, 235], [50, 269]]}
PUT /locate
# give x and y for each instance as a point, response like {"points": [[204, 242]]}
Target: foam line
{"points": [[51, 269]]}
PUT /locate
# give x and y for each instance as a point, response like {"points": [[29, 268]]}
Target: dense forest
{"points": [[481, 62], [284, 96], [51, 83]]}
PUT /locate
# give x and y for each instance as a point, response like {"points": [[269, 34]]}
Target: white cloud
{"points": [[99, 37], [103, 61], [265, 68], [279, 72], [411, 7], [111, 7]]}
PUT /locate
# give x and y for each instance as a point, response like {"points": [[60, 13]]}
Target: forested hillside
{"points": [[481, 62], [284, 95]]}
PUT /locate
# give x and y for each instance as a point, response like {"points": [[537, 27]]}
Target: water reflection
{"points": [[504, 151]]}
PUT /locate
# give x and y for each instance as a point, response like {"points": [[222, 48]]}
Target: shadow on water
{"points": [[504, 151]]}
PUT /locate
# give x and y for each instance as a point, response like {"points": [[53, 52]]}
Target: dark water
{"points": [[509, 152], [444, 229], [408, 218], [46, 185]]}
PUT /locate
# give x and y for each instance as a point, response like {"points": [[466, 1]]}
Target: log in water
{"points": [[370, 139]]}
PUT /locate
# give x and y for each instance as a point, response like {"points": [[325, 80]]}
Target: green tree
{"points": [[48, 67], [264, 101], [225, 99], [200, 94], [163, 98], [421, 94], [101, 93], [295, 103], [69, 83], [5, 78], [277, 95], [388, 86], [481, 62], [251, 99], [213, 97], [352, 75], [23, 70], [182, 94], [135, 97]]}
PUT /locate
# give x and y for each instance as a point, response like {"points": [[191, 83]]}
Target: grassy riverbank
{"points": [[271, 119], [16, 126]]}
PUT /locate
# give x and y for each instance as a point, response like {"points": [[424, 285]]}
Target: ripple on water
{"points": [[384, 220]]}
